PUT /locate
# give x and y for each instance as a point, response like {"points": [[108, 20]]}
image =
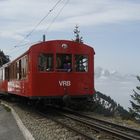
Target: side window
{"points": [[45, 62], [18, 69], [81, 63], [64, 62], [12, 71], [24, 67], [6, 73]]}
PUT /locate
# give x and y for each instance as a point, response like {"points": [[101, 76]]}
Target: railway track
{"points": [[114, 130], [103, 122], [65, 122], [39, 115], [90, 127]]}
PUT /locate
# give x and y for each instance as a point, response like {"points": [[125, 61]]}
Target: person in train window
{"points": [[67, 63]]}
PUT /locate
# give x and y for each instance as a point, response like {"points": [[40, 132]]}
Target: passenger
{"points": [[67, 63]]}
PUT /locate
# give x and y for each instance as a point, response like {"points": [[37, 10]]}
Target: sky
{"points": [[111, 27]]}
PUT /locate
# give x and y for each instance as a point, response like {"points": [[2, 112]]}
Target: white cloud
{"points": [[21, 16], [12, 35], [117, 86]]}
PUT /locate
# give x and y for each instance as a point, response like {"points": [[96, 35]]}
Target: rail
{"points": [[116, 130]]}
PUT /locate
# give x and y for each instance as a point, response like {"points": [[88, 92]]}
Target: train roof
{"points": [[56, 42], [5, 65], [63, 43]]}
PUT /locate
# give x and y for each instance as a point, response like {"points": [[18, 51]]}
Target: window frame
{"points": [[72, 56], [45, 68], [63, 59], [87, 64]]}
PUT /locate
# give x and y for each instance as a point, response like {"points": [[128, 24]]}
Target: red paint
{"points": [[53, 83]]}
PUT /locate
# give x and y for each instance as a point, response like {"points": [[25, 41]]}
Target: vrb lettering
{"points": [[65, 83]]}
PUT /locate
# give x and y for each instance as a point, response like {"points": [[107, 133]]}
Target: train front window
{"points": [[64, 62], [45, 62], [81, 63]]}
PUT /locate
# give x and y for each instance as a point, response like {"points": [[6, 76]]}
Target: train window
{"points": [[10, 72], [13, 71], [6, 73], [81, 63], [45, 62], [64, 62], [24, 67], [18, 70]]}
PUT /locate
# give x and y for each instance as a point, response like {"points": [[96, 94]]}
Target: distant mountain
{"points": [[117, 86], [100, 73]]}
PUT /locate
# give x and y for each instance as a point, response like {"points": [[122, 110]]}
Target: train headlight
{"points": [[65, 46]]}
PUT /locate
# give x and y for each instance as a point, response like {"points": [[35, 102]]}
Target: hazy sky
{"points": [[112, 27]]}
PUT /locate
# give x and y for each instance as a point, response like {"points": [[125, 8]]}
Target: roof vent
{"points": [[44, 38]]}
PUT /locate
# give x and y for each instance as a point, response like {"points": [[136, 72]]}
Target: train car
{"points": [[4, 78], [51, 70]]}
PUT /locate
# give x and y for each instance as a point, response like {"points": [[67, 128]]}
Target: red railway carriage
{"points": [[51, 69]]}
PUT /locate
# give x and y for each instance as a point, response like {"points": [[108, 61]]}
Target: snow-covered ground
{"points": [[119, 87]]}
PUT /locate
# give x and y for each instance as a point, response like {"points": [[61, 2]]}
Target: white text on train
{"points": [[65, 83]]}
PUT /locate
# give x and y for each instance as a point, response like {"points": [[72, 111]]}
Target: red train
{"points": [[51, 70]]}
